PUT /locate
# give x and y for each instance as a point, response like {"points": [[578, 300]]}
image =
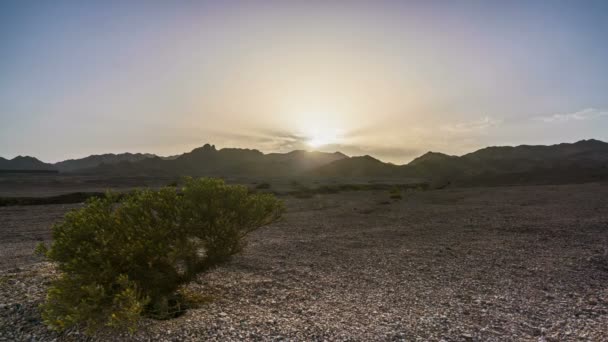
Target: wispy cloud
{"points": [[585, 114], [268, 140], [475, 126]]}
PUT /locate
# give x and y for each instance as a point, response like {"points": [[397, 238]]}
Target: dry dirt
{"points": [[470, 264]]}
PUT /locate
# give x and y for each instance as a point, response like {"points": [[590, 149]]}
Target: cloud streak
{"points": [[475, 126], [581, 115]]}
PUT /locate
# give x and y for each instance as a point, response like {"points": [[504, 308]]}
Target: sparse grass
{"points": [[194, 299], [394, 189], [395, 193], [184, 299], [303, 193], [3, 280], [74, 197]]}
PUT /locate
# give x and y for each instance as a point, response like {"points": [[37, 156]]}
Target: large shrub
{"points": [[121, 259]]}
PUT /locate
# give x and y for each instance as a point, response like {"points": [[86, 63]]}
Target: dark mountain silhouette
{"points": [[300, 161], [365, 166], [96, 160], [436, 164], [24, 163], [209, 161], [583, 161]]}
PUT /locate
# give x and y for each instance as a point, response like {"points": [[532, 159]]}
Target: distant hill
{"points": [[365, 166], [585, 160], [209, 161], [71, 165], [24, 163], [300, 161], [436, 164]]}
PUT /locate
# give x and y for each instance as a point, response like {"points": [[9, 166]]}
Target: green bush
{"points": [[121, 260]]}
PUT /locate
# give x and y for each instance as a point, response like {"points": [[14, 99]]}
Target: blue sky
{"points": [[389, 78]]}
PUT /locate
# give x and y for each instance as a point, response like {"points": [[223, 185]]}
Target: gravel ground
{"points": [[22, 228], [477, 264]]}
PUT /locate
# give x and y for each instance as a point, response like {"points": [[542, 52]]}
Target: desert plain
{"points": [[512, 263]]}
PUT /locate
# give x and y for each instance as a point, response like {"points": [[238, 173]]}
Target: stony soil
{"points": [[477, 264]]}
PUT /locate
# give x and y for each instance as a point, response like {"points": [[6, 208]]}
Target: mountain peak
{"points": [[24, 163], [431, 156], [207, 148], [590, 142], [25, 158], [366, 157]]}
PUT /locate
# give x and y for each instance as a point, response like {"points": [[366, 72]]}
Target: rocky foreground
{"points": [[479, 264]]}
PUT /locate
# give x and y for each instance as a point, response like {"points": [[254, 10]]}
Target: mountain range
{"points": [[98, 159], [209, 161], [585, 160]]}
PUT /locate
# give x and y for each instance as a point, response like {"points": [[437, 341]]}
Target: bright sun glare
{"points": [[319, 139], [320, 128]]}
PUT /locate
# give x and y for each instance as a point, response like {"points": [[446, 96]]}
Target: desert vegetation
{"points": [[73, 197], [121, 258], [263, 186]]}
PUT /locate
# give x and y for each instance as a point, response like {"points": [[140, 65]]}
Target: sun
{"points": [[317, 142], [319, 128], [319, 138]]}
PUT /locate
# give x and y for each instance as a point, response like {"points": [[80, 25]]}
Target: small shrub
{"points": [[423, 187], [303, 194], [439, 184], [121, 260], [326, 189], [263, 186], [395, 194]]}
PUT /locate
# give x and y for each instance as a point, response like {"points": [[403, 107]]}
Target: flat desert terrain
{"points": [[523, 263]]}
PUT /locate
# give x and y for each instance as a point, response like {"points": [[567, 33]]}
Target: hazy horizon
{"points": [[265, 152], [385, 78]]}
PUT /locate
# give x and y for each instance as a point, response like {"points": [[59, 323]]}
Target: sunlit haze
{"points": [[393, 79]]}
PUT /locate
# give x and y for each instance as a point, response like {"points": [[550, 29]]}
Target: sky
{"points": [[393, 79]]}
